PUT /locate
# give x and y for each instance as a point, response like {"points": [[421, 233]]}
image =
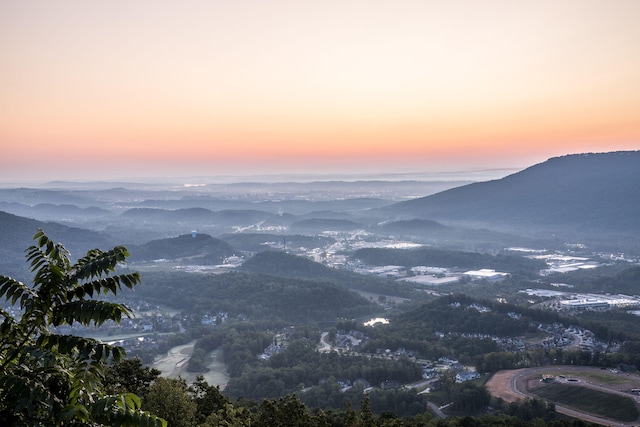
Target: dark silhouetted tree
{"points": [[53, 379]]}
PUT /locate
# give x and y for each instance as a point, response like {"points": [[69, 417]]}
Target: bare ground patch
{"points": [[499, 386]]}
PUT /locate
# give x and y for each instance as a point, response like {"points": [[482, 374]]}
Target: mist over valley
{"points": [[251, 284]]}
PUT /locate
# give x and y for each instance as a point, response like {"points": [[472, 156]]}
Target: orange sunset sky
{"points": [[111, 89]]}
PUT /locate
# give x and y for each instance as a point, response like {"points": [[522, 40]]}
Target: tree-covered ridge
{"points": [[412, 226], [464, 328], [198, 248], [52, 379], [454, 312], [460, 316], [282, 264], [322, 224], [199, 216], [259, 242], [257, 296], [615, 279], [449, 259]]}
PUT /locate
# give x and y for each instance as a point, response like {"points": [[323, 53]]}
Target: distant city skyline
{"points": [[94, 90]]}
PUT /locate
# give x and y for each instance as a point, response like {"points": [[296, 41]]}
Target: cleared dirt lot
{"points": [[499, 386]]}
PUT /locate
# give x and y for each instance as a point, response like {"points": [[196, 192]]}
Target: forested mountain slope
{"points": [[16, 235], [282, 264], [591, 193]]}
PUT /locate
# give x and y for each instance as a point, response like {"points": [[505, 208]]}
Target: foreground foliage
{"points": [[53, 379], [202, 405]]}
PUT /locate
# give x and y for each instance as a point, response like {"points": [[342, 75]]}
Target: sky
{"points": [[95, 90]]}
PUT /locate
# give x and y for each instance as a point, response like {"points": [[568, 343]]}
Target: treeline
{"points": [[388, 404], [627, 358], [431, 347], [516, 265], [202, 405]]}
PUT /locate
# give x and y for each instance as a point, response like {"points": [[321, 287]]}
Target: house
{"points": [[466, 376], [147, 326], [447, 361]]}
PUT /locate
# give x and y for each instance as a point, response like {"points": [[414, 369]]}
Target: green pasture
{"points": [[606, 405]]}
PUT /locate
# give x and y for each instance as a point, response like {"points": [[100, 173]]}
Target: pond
{"points": [[381, 320]]}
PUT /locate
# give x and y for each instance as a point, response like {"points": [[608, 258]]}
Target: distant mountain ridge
{"points": [[589, 192], [16, 235]]}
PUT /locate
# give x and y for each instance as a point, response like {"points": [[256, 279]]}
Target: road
{"points": [[325, 347], [436, 410]]}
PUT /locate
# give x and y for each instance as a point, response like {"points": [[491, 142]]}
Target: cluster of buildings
{"points": [[558, 262], [271, 349], [599, 302], [431, 276], [462, 374], [279, 343], [570, 301]]}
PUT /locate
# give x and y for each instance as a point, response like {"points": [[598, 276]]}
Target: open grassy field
{"points": [[607, 405], [605, 378]]}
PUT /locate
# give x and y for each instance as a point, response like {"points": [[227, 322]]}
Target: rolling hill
{"points": [[258, 296], [199, 248]]}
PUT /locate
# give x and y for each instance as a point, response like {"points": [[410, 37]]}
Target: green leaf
{"points": [[87, 312]]}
